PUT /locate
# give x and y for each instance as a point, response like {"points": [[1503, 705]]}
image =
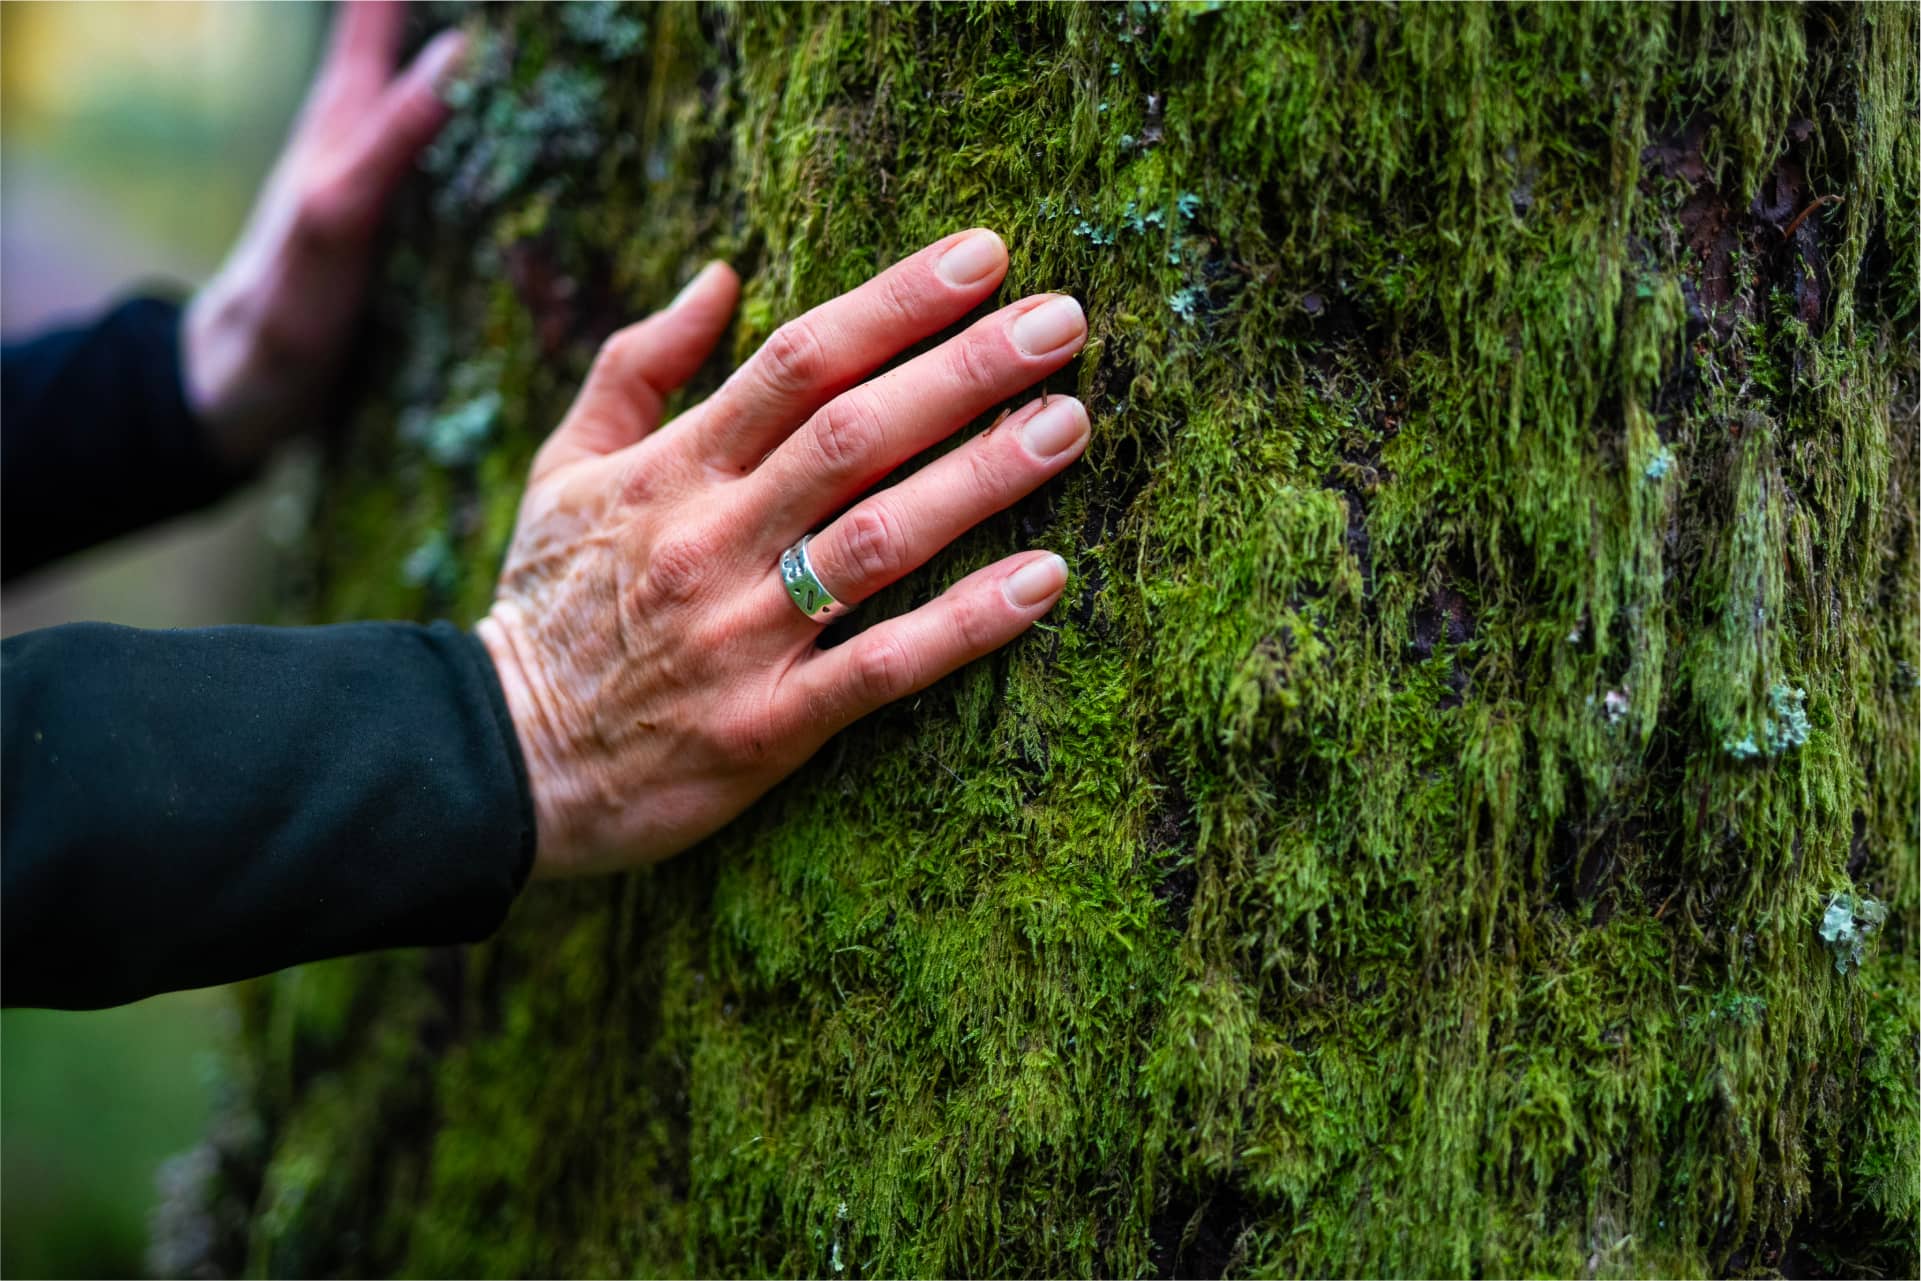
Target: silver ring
{"points": [[812, 599]]}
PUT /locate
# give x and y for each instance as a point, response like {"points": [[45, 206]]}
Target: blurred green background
{"points": [[132, 139]]}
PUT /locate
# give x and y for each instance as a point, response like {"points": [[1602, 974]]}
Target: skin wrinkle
{"points": [[531, 717]]}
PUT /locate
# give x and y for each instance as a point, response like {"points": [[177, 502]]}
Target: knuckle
{"points": [[883, 669], [612, 357], [639, 481], [796, 361], [898, 300], [975, 624], [986, 478], [872, 545], [844, 433], [678, 567], [326, 215], [976, 362]]}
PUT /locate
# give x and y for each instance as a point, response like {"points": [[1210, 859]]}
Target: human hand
{"points": [[262, 342], [659, 675]]}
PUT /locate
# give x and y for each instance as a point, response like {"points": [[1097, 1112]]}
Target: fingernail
{"points": [[687, 290], [1036, 581], [1049, 327], [445, 59], [971, 258], [1059, 426]]}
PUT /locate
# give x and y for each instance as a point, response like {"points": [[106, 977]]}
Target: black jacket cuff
{"points": [[183, 808]]}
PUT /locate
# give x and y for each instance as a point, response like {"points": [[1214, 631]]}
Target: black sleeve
{"points": [[183, 808], [96, 437]]}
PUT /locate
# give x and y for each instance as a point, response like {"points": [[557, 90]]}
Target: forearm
{"points": [[193, 807]]}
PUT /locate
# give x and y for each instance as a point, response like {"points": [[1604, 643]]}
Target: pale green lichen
{"points": [[1786, 727], [1848, 926], [610, 29], [456, 437], [432, 565], [1789, 727]]}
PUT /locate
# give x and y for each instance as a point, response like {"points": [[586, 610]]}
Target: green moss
{"points": [[1350, 878]]}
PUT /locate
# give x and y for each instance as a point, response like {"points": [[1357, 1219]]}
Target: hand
{"points": [[659, 676], [263, 341]]}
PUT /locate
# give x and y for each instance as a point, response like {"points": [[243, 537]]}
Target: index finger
{"points": [[813, 358]]}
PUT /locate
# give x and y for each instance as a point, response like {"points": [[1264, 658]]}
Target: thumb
{"points": [[638, 367]]}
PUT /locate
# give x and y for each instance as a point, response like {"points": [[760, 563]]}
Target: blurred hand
{"points": [[659, 675], [263, 341]]}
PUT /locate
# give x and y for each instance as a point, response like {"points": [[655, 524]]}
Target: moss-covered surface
{"points": [[1491, 646]]}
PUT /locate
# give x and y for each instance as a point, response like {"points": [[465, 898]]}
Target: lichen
{"points": [[455, 437], [1848, 926], [1789, 727]]}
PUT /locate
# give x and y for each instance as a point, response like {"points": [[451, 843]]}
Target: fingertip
{"points": [[714, 287], [412, 110], [975, 256], [1036, 583], [1048, 324], [1053, 430], [441, 61], [692, 289]]}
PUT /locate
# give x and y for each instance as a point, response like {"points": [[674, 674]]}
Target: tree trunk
{"points": [[1442, 829]]}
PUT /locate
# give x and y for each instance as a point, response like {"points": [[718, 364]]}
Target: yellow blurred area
{"points": [[149, 124], [56, 51], [132, 139]]}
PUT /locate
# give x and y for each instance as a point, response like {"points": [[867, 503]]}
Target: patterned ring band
{"points": [[812, 599]]}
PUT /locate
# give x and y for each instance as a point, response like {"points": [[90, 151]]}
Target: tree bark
{"points": [[1488, 666]]}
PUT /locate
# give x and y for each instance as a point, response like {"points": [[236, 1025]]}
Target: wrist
{"points": [[221, 370], [546, 776], [259, 352]]}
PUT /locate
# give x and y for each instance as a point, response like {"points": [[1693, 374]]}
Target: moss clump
{"points": [[1350, 878]]}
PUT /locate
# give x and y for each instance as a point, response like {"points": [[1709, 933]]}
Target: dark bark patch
{"points": [[1442, 619], [1779, 226], [1678, 155], [1170, 847], [1707, 226], [1858, 847], [563, 311], [1355, 480], [1781, 195], [1201, 1236], [1588, 857], [445, 974]]}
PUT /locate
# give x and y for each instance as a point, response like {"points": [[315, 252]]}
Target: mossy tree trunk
{"points": [[1491, 648]]}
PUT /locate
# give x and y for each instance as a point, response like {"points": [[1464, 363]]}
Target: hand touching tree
{"points": [[265, 338]]}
